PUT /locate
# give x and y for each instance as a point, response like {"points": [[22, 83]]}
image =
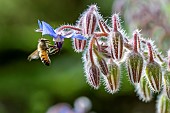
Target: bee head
{"points": [[43, 43], [43, 40]]}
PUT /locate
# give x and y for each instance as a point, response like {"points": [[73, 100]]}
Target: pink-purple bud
{"points": [[112, 81], [116, 38], [90, 21], [79, 45], [94, 76]]}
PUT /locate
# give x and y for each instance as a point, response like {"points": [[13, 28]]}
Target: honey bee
{"points": [[44, 49]]}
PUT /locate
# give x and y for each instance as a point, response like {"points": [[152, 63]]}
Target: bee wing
{"points": [[52, 50], [34, 55]]}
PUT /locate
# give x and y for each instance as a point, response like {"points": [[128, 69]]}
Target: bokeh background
{"points": [[31, 87]]}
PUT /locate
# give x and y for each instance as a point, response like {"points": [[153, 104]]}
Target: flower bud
{"points": [[163, 104], [143, 90], [134, 65], [112, 81], [116, 44], [93, 76], [101, 61], [79, 45], [103, 66], [154, 76], [153, 72], [90, 20], [166, 79]]}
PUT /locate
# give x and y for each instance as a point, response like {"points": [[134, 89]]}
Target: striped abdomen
{"points": [[44, 57]]}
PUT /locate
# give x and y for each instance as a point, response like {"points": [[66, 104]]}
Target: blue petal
{"points": [[78, 36], [61, 36], [40, 25], [48, 30]]}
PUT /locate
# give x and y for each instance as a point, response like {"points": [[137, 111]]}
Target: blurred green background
{"points": [[31, 87]]}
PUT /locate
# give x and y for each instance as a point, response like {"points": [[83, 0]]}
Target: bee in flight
{"points": [[44, 49]]}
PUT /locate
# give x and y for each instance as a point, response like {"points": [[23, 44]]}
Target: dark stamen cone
{"points": [[166, 79], [163, 104], [143, 90], [134, 65], [112, 81], [94, 76]]}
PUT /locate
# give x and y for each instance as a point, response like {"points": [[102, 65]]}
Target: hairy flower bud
{"points": [[116, 41], [103, 66], [154, 76], [93, 76], [90, 21], [134, 65], [112, 81], [153, 72], [143, 90], [166, 79], [101, 61], [79, 45], [163, 104]]}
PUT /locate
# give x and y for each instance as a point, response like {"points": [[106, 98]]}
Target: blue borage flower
{"points": [[58, 36], [46, 29]]}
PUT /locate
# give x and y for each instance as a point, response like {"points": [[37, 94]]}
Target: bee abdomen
{"points": [[45, 59]]}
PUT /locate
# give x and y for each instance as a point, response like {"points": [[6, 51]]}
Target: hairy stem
{"points": [[69, 27]]}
